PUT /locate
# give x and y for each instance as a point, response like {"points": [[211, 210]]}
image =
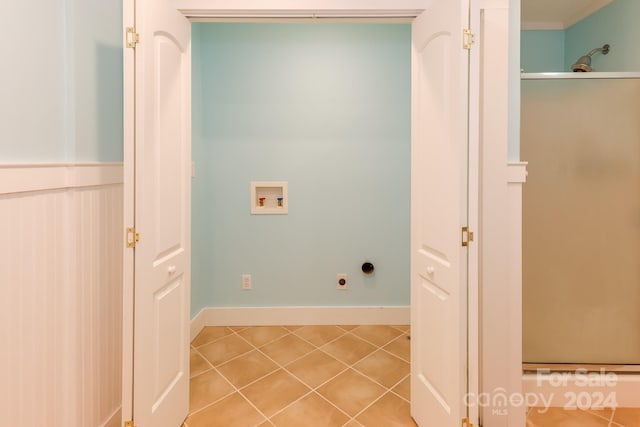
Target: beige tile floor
{"points": [[300, 376], [323, 376], [557, 417]]}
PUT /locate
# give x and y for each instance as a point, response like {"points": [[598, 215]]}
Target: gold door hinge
{"points": [[467, 38], [132, 238], [467, 236], [129, 424], [466, 423], [132, 37]]}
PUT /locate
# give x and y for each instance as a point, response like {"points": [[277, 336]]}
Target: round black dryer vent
{"points": [[367, 268]]}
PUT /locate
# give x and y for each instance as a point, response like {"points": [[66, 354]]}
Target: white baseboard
{"points": [[197, 324], [265, 316], [562, 392]]}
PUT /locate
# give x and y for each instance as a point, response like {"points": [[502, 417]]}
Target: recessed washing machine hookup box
{"points": [[269, 197]]}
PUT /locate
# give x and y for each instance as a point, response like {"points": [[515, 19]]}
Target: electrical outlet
{"points": [[341, 282], [246, 282]]}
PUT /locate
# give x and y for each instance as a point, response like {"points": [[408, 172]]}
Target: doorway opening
{"points": [[437, 53], [326, 108]]}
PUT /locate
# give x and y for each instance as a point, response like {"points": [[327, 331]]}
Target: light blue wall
{"points": [[543, 51], [616, 24], [61, 81], [325, 107], [32, 81], [97, 133]]}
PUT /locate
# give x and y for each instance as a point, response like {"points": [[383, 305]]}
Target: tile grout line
{"points": [[312, 390], [236, 389], [372, 343], [298, 358], [612, 423], [363, 410], [254, 348], [215, 339], [328, 342], [387, 391], [594, 413], [254, 406], [369, 355], [280, 366], [346, 367], [241, 354], [352, 367], [288, 332], [205, 359], [397, 384], [382, 346], [287, 406]]}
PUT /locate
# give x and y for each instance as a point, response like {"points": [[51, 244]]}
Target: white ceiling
{"points": [[557, 14]]}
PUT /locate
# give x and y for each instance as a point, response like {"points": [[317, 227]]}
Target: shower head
{"points": [[583, 64]]}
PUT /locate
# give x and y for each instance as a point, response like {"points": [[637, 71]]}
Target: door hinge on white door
{"points": [[132, 238], [467, 236], [466, 423], [467, 38], [132, 37]]}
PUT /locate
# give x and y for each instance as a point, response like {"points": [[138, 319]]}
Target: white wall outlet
{"points": [[246, 282], [341, 282]]}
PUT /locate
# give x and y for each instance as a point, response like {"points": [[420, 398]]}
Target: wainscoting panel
{"points": [[61, 294]]}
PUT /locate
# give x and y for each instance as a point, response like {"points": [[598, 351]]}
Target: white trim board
{"points": [[561, 19], [517, 172], [299, 8], [21, 178], [269, 316], [580, 76]]}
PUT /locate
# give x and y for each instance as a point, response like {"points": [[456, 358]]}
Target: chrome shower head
{"points": [[583, 64]]}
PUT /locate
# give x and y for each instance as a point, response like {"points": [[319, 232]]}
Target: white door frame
{"points": [[128, 271], [492, 129]]}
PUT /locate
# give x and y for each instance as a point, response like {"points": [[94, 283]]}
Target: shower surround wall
{"points": [[581, 231], [616, 24], [556, 50], [325, 107]]}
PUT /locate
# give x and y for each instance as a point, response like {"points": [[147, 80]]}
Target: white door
{"points": [[162, 215], [440, 77]]}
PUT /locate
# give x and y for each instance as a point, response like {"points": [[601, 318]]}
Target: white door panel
{"points": [[438, 212], [162, 212]]}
